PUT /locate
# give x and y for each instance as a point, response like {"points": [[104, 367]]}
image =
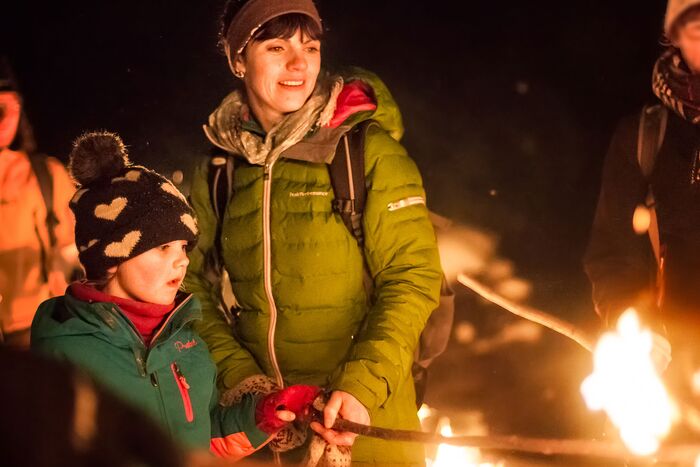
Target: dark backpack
{"points": [[347, 174]]}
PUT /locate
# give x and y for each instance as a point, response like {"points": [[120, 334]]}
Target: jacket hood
{"points": [[386, 111], [68, 316]]}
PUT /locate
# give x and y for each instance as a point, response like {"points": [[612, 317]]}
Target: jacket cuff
{"points": [[255, 435], [364, 394], [256, 385]]}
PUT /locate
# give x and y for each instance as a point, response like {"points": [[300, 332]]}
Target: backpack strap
{"points": [[39, 164], [347, 173], [650, 137], [220, 184]]}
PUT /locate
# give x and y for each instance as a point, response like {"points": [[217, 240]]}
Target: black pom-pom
{"points": [[97, 156]]}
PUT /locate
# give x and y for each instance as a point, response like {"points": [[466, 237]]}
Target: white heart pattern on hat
{"points": [[124, 248], [170, 188], [189, 222], [112, 210], [131, 176]]}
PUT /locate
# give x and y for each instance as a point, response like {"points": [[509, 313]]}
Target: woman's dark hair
{"points": [[283, 27]]}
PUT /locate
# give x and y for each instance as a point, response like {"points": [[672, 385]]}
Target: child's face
{"points": [[153, 276]]}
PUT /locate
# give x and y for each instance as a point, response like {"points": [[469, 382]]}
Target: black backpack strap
{"points": [[39, 165], [347, 173], [650, 137], [220, 183]]}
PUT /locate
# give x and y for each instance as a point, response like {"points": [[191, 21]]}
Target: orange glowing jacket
{"points": [[25, 254]]}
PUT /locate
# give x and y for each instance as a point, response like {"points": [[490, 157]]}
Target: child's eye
{"points": [[164, 247], [275, 48]]}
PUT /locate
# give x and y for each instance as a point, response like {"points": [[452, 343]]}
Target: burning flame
{"points": [[452, 456], [626, 385]]}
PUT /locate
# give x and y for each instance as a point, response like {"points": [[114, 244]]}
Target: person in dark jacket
{"points": [[128, 326], [621, 262]]}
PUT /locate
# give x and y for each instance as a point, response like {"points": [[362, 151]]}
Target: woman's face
{"points": [[280, 75], [687, 39]]}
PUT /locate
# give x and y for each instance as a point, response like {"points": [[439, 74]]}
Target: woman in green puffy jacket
{"points": [[303, 314]]}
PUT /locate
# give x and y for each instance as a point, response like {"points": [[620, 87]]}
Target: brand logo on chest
{"points": [[180, 346]]}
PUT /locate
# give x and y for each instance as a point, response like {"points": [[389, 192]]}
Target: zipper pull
{"points": [[180, 376]]}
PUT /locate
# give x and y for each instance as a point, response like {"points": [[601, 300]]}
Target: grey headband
{"points": [[256, 13]]}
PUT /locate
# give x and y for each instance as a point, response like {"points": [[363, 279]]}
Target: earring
{"points": [[238, 73]]}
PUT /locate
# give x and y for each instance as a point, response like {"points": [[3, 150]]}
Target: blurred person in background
{"points": [[644, 250], [37, 251]]}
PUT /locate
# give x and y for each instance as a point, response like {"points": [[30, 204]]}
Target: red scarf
{"points": [[146, 317]]}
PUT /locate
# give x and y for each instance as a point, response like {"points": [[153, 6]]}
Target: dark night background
{"points": [[508, 106]]}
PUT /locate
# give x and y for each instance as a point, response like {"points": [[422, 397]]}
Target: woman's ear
{"points": [[236, 65]]}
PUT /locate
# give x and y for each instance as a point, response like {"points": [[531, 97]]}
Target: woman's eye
{"points": [[164, 247], [275, 48]]}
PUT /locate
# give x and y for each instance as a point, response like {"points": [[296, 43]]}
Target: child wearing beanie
{"points": [[128, 324]]}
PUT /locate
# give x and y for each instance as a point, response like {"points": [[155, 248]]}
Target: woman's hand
{"points": [[346, 406]]}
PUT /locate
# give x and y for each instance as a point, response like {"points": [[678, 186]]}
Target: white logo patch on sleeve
{"points": [[406, 202]]}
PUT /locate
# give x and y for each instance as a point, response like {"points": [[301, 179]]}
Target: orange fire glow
{"points": [[626, 385], [453, 456]]}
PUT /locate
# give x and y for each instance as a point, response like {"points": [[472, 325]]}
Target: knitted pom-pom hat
{"points": [[122, 210]]}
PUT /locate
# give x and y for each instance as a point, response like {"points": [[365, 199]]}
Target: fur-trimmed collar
{"points": [[225, 131]]}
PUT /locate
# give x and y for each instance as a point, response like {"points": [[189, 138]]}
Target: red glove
{"points": [[297, 399]]}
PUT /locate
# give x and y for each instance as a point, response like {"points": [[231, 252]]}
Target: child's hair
{"points": [[122, 210]]}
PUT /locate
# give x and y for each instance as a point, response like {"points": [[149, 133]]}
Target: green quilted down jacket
{"points": [[297, 273]]}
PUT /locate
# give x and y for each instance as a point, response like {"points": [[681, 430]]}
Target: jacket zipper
{"points": [[170, 318], [267, 272], [184, 391]]}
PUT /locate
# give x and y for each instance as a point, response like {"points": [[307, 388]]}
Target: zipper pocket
{"points": [[184, 391]]}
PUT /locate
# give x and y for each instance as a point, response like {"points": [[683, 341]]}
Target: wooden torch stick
{"points": [[540, 317], [683, 454]]}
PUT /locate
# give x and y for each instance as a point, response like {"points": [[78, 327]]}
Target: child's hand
{"points": [[277, 409], [285, 416]]}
